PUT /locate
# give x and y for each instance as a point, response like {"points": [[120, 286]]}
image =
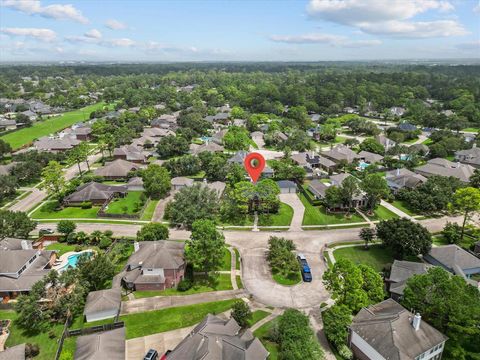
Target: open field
{"points": [[24, 136]]}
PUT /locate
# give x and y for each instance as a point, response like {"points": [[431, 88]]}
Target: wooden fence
{"points": [[95, 329], [62, 338]]}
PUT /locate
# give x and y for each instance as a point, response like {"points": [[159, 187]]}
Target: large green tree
{"points": [[152, 232], [96, 272], [53, 180], [172, 145], [156, 181], [467, 201], [15, 224], [336, 321], [375, 188]]}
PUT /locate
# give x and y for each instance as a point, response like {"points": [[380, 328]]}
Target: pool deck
{"points": [[64, 258]]}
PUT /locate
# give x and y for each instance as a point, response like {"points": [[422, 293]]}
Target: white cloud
{"points": [[93, 34], [115, 24], [318, 38], [124, 42], [53, 11], [387, 17], [46, 35]]}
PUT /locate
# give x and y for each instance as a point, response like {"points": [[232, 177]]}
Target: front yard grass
{"points": [[130, 204], [382, 213], [287, 281], [238, 279], [227, 261], [377, 256], [149, 210], [46, 212], [200, 285], [316, 215], [282, 218], [152, 322], [402, 205], [263, 334], [257, 315]]}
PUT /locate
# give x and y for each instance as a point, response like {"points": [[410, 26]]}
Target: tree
{"points": [[66, 227], [8, 186], [15, 224], [77, 155], [373, 146], [241, 313], [449, 304], [53, 180], [156, 181], [333, 197], [375, 187], [404, 237], [5, 148], [206, 246], [152, 232], [372, 284], [192, 203], [367, 235], [452, 232], [466, 200], [237, 138], [475, 179], [172, 145], [336, 321], [95, 273]]}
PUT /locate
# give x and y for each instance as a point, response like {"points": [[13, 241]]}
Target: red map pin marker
{"points": [[254, 164]]}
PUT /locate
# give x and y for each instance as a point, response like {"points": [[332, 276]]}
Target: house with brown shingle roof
{"points": [[444, 167], [102, 304], [94, 192], [117, 169], [129, 153], [341, 153]]}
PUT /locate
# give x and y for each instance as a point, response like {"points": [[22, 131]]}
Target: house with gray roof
{"points": [[135, 184], [444, 167], [403, 178], [101, 346], [96, 193], [341, 153], [386, 142], [470, 156], [369, 157], [319, 189], [56, 144], [389, 331], [287, 186], [180, 182], [82, 133], [400, 272], [129, 153], [117, 169], [196, 149], [397, 110], [102, 304], [420, 149], [455, 260], [16, 352], [155, 265], [21, 266], [218, 339], [6, 124]]}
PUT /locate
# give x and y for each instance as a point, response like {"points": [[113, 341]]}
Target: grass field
{"points": [[130, 204], [263, 333], [25, 136], [382, 213], [282, 280], [399, 204], [149, 210], [257, 315], [316, 215], [152, 322], [282, 218], [227, 261], [200, 285], [44, 212]]}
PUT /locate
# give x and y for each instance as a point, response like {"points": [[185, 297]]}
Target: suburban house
{"points": [[196, 149], [83, 133], [388, 331], [341, 153], [218, 339], [55, 144], [155, 265], [238, 158], [102, 304], [129, 153], [386, 142], [219, 117], [407, 127], [397, 110], [400, 272], [135, 184], [470, 156], [403, 178], [6, 169], [157, 132], [319, 188], [444, 167], [455, 260], [21, 266], [257, 136], [16, 352], [370, 157], [103, 345], [420, 149], [217, 138], [181, 182], [6, 124], [218, 186], [310, 161], [94, 192], [117, 169], [287, 187]]}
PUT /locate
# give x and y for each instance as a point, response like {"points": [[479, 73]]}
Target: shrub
{"points": [[184, 285], [78, 248], [241, 313], [71, 238], [105, 243], [86, 205], [31, 350], [345, 352], [51, 334]]}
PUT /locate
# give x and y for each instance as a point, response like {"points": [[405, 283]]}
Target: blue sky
{"points": [[244, 30]]}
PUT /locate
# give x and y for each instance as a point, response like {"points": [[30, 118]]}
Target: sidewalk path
{"points": [[298, 210], [276, 312], [396, 210], [317, 326]]}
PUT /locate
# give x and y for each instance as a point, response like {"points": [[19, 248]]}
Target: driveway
{"points": [[138, 347], [160, 209], [298, 210]]}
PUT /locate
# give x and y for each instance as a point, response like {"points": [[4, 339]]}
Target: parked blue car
{"points": [[304, 268]]}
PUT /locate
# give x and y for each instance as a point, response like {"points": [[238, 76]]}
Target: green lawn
{"points": [[237, 259], [200, 285], [382, 213], [402, 205], [316, 215], [439, 240], [411, 141], [263, 333], [44, 212], [472, 129], [239, 282], [257, 315], [130, 204], [152, 322], [24, 136], [48, 346], [376, 256], [227, 261], [282, 218], [149, 210], [283, 280], [61, 247]]}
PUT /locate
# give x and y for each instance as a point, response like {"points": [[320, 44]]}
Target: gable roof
{"points": [[387, 328], [117, 168], [370, 157], [102, 300], [341, 152], [15, 244], [47, 143], [100, 346], [285, 184], [401, 271], [131, 153], [182, 181], [404, 178], [161, 254], [208, 146], [453, 255], [94, 191], [318, 188], [444, 167]]}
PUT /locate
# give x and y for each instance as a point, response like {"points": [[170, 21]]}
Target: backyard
{"points": [[131, 204]]}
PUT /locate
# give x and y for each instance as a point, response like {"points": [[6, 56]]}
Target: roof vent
{"points": [[416, 321], [136, 246]]}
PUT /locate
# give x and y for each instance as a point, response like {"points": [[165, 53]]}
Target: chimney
{"points": [[26, 245], [416, 321], [398, 171], [136, 246]]}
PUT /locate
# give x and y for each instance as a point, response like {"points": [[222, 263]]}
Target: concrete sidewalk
{"points": [[396, 210]]}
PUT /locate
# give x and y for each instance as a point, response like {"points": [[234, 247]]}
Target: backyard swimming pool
{"points": [[72, 260], [363, 165]]}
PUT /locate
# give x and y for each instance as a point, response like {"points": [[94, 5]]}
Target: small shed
{"points": [[287, 187], [102, 304]]}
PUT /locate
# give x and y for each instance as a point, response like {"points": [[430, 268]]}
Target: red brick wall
{"points": [[152, 286]]}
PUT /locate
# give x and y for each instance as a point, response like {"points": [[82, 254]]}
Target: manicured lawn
{"points": [[48, 346], [149, 210], [376, 256], [152, 322], [382, 213], [130, 204], [402, 205], [239, 282], [237, 259], [472, 129], [282, 280], [42, 128], [439, 240], [227, 261], [61, 247], [427, 142], [282, 218], [263, 333], [316, 215], [44, 212], [200, 285], [257, 316], [411, 141]]}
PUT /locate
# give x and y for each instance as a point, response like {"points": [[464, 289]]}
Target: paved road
{"points": [[298, 210]]}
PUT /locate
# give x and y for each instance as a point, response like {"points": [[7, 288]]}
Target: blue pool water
{"points": [[404, 157], [73, 259], [362, 165], [205, 138]]}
